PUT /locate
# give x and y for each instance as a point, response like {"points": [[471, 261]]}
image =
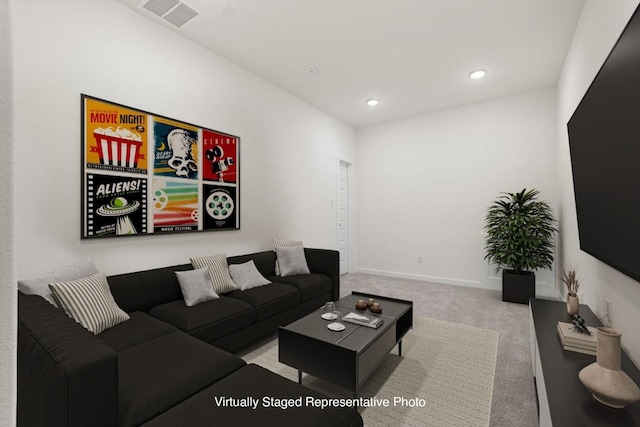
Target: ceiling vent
{"points": [[174, 12]]}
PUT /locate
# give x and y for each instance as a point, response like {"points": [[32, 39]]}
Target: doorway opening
{"points": [[343, 215]]}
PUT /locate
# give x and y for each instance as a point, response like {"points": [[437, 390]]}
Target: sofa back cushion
{"points": [[143, 290]]}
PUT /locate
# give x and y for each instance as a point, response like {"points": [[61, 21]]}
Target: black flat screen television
{"points": [[604, 139]]}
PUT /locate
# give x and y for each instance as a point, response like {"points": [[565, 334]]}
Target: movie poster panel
{"points": [[115, 205], [219, 207], [147, 174], [176, 149], [220, 157], [115, 137], [175, 205]]}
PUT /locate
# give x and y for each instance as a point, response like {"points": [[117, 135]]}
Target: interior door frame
{"points": [[347, 165]]}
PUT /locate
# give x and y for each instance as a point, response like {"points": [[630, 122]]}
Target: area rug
{"points": [[444, 377]]}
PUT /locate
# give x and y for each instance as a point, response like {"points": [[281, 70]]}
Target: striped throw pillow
{"points": [[218, 272], [89, 302], [279, 243]]}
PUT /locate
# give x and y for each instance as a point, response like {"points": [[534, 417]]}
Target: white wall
{"points": [[8, 304], [289, 150], [599, 27], [424, 185]]}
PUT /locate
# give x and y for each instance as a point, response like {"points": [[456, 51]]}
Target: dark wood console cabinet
{"points": [[563, 401]]}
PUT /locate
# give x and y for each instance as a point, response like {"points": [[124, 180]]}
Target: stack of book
{"points": [[364, 320], [573, 340]]}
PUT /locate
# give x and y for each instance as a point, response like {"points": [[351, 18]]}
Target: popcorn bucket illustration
{"points": [[117, 151]]}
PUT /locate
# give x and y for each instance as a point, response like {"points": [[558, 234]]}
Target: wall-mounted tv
{"points": [[604, 139]]}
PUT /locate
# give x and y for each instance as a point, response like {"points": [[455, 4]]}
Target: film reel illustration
{"points": [[219, 205]]}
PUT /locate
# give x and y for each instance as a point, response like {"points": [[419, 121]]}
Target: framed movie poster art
{"points": [[147, 174]]}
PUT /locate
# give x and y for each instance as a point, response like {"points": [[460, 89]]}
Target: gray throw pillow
{"points": [[247, 276], [39, 285], [196, 286], [292, 261], [280, 243], [89, 302]]}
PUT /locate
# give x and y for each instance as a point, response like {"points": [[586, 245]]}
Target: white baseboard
{"points": [[542, 289], [433, 279]]}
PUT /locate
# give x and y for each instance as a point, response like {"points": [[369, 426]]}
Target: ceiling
{"points": [[414, 56]]}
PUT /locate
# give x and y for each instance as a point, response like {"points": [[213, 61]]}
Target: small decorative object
{"points": [[371, 301], [573, 302], [361, 305], [605, 380], [328, 311], [375, 308], [580, 325]]}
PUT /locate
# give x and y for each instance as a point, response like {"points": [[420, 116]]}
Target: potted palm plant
{"points": [[520, 238]]}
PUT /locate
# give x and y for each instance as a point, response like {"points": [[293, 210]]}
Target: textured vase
{"points": [[605, 380], [573, 304]]}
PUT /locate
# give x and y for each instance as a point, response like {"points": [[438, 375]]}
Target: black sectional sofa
{"points": [[170, 364]]}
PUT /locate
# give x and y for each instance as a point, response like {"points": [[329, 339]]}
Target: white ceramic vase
{"points": [[605, 380], [573, 304]]}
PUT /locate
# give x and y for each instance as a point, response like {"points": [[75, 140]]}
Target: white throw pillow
{"points": [[89, 302], [196, 286], [218, 271], [39, 285], [280, 243], [292, 261], [247, 276]]}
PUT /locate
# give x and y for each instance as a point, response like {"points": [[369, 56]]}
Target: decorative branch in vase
{"points": [[573, 303]]}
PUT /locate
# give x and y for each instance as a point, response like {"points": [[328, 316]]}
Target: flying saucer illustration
{"points": [[118, 206]]}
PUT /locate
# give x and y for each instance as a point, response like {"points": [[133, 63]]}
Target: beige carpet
{"points": [[446, 368]]}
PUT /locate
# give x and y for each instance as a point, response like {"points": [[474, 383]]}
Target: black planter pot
{"points": [[518, 287]]}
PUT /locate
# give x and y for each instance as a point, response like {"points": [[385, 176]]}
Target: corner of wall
{"points": [[8, 295]]}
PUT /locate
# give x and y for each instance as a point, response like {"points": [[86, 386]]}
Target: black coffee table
{"points": [[348, 357]]}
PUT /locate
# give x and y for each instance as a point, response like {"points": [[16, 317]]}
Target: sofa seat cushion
{"points": [[157, 375], [209, 320], [310, 285], [269, 300], [203, 410], [139, 329]]}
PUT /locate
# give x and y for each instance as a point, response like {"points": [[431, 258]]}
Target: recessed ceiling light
{"points": [[372, 102], [477, 74]]}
